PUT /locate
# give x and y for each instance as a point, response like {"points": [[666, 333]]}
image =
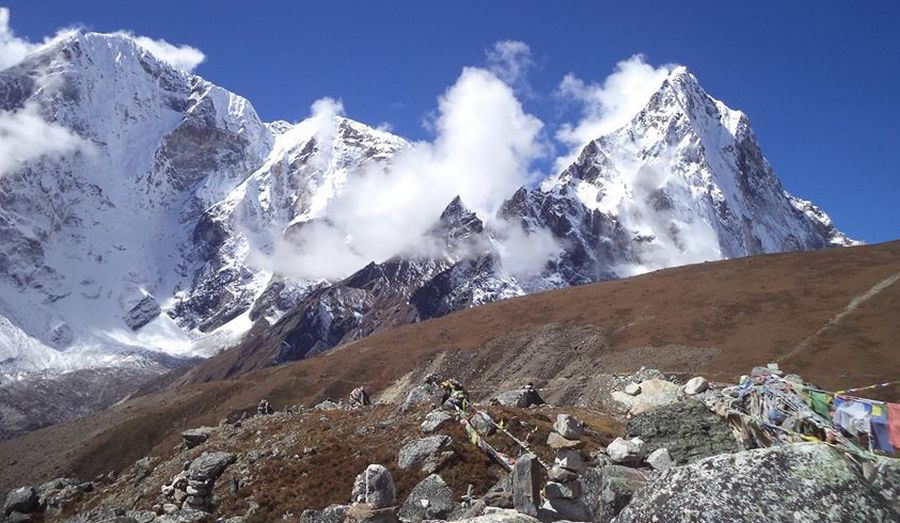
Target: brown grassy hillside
{"points": [[833, 316]]}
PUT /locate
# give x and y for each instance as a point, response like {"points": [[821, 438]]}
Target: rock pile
{"points": [[47, 499]]}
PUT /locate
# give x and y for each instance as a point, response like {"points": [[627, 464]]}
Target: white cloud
{"points": [[483, 147], [12, 48], [182, 57], [510, 61], [606, 107], [26, 136]]}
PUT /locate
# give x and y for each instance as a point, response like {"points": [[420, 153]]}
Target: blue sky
{"points": [[820, 80]]}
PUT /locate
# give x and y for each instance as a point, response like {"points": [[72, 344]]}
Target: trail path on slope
{"points": [[849, 309]]}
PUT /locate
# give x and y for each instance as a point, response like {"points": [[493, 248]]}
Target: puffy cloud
{"points": [[26, 136], [12, 49], [606, 107], [482, 150], [182, 57], [510, 61]]}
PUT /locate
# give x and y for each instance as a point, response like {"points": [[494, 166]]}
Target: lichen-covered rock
{"points": [[789, 483], [688, 429], [426, 454], [434, 420], [209, 465], [430, 499], [655, 392], [375, 486], [886, 481], [483, 423], [659, 459]]}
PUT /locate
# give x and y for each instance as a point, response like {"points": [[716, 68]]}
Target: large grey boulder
{"points": [[430, 499], [654, 393], [525, 488], [209, 465], [688, 429], [628, 451], [617, 486], [426, 454], [788, 483], [483, 423], [23, 499]]}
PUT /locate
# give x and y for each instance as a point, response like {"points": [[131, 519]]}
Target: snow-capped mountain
{"points": [[163, 236], [683, 182]]}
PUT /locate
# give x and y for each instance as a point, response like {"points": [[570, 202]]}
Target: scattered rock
{"points": [[687, 429], [525, 490], [434, 420], [23, 499], [695, 386], [327, 405], [660, 459], [630, 451], [786, 483], [430, 499], [632, 389], [557, 441], [426, 454], [569, 427]]}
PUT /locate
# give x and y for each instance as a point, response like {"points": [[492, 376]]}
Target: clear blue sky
{"points": [[820, 80]]}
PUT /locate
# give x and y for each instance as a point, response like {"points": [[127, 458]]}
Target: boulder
{"points": [[184, 515], [557, 473], [885, 480], [660, 459], [434, 420], [500, 516], [513, 398], [556, 490], [209, 465], [483, 423], [655, 392], [557, 441], [695, 386], [632, 389], [331, 514], [430, 499], [525, 490], [687, 429], [23, 499], [426, 454], [327, 405], [786, 483], [375, 487], [616, 487], [568, 427], [194, 437], [364, 513], [418, 395], [570, 459], [631, 451], [500, 495]]}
